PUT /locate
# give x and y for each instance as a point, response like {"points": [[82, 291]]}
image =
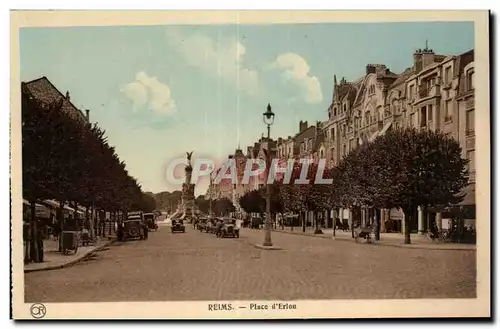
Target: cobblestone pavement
{"points": [[198, 266]]}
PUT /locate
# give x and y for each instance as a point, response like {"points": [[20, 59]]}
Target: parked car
{"points": [[150, 220], [132, 228], [178, 226]]}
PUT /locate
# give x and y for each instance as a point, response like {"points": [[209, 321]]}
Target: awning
{"points": [[468, 201]]}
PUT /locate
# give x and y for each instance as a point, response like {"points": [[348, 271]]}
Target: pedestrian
{"points": [[218, 227], [237, 226]]}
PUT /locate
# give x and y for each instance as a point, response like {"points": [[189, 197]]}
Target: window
{"points": [[367, 117], [412, 92], [332, 134], [471, 157], [345, 107], [470, 80], [412, 120], [332, 154], [334, 111], [371, 90], [447, 75], [429, 113], [423, 116], [469, 123], [345, 150], [393, 106], [448, 110]]}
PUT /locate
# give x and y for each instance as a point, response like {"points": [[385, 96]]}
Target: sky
{"points": [[160, 91]]}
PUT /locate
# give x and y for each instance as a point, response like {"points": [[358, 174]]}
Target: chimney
{"points": [[381, 70], [87, 115], [302, 126], [67, 95], [370, 68], [427, 57]]}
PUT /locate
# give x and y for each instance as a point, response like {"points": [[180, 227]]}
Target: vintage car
{"points": [[228, 229], [132, 228], [178, 226], [256, 222], [201, 225], [150, 220]]}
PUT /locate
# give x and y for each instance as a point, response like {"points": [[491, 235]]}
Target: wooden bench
{"points": [[365, 233]]}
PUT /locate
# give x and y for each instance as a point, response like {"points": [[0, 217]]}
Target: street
{"points": [[198, 266]]}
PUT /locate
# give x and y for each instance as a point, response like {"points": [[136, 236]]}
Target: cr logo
{"points": [[38, 311]]}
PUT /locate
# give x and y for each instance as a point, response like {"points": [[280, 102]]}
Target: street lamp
{"points": [[268, 118]]}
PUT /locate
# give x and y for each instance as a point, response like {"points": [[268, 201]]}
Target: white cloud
{"points": [[222, 58], [146, 90], [296, 69]]}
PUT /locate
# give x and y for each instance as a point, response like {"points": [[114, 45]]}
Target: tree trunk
{"points": [[75, 214], [92, 222], [103, 223], [60, 216], [407, 221], [303, 214], [377, 224], [34, 250], [353, 214], [334, 220], [317, 230], [111, 217]]}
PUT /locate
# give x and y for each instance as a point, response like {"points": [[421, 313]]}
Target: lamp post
{"points": [[268, 118]]}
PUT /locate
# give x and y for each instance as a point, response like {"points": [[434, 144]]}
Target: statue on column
{"points": [[189, 155]]}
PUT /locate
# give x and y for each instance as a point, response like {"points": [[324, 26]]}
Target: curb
{"points": [[410, 246], [73, 262], [260, 246]]}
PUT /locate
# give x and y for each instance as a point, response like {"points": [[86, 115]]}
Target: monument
{"points": [[187, 210]]}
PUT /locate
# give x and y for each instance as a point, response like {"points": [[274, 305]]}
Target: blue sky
{"points": [[159, 91]]}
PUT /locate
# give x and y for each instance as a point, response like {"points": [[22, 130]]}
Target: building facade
{"points": [[436, 92]]}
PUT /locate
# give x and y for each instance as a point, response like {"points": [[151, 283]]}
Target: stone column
{"points": [[421, 221], [383, 218], [439, 221], [349, 217], [363, 217]]}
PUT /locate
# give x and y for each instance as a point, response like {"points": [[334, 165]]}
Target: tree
{"points": [[40, 142], [299, 198], [224, 206], [148, 203], [416, 168], [276, 202], [202, 204], [252, 202]]}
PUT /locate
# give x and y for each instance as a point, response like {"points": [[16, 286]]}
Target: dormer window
{"points": [[470, 79], [371, 90]]}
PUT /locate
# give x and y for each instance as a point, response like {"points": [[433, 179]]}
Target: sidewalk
{"points": [[386, 239], [53, 259]]}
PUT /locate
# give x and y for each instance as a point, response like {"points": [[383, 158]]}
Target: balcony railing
{"points": [[423, 92], [470, 132]]}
